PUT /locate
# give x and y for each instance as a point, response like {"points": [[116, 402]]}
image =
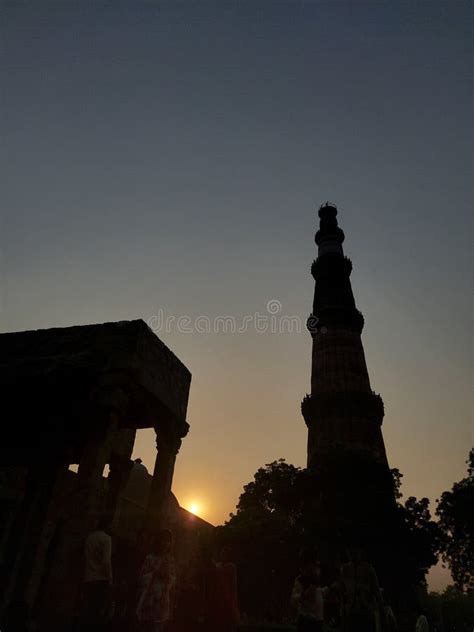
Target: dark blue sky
{"points": [[172, 155]]}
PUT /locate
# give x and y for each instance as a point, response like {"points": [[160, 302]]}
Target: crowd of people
{"points": [[351, 600], [348, 600], [155, 601]]}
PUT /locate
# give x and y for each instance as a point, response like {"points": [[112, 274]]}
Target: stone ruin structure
{"points": [[76, 397]]}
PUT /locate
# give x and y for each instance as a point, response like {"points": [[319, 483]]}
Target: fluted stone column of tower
{"points": [[344, 416]]}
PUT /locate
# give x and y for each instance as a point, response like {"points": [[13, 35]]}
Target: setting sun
{"points": [[194, 508]]}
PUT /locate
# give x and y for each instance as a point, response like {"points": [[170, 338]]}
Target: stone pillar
{"points": [[89, 482], [167, 445], [17, 537], [120, 468], [27, 529], [12, 482], [80, 514]]}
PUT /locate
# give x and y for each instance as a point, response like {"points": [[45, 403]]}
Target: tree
{"points": [[422, 538], [275, 492], [277, 516], [456, 520], [264, 535], [419, 535]]}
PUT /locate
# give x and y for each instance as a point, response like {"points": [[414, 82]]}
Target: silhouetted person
{"points": [[422, 624], [97, 576], [307, 595], [222, 609], [192, 600], [156, 582], [361, 593], [386, 621], [332, 595]]}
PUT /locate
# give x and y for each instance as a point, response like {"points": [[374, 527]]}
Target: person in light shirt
{"points": [[361, 593], [156, 582], [307, 595], [97, 575], [422, 623]]}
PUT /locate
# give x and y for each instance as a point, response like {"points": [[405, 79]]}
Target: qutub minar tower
{"points": [[352, 488]]}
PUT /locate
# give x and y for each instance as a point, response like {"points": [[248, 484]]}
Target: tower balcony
{"points": [[355, 405], [331, 266], [335, 318], [329, 232]]}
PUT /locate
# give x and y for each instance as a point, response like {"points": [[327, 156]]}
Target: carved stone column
{"points": [[80, 514], [120, 468], [167, 445], [28, 526], [95, 456]]}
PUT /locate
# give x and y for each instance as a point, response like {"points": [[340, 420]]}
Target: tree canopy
{"points": [[456, 520], [264, 535], [274, 520], [420, 535]]}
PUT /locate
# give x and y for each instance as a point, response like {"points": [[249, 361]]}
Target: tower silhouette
{"points": [[352, 489], [343, 414]]}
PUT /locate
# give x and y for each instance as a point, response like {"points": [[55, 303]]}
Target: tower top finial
{"points": [[329, 209], [329, 237]]}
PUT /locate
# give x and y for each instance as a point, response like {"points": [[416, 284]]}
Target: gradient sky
{"points": [[172, 155]]}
